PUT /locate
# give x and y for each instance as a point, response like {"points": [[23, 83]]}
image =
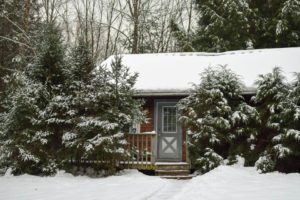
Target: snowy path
{"points": [[168, 190], [225, 182]]}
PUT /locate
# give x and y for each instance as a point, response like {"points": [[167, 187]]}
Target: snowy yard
{"points": [[225, 182]]}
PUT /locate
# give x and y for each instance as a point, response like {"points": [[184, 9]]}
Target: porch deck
{"points": [[142, 151], [141, 154], [143, 148]]}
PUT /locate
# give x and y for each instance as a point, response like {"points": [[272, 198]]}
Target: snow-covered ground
{"points": [[225, 182]]}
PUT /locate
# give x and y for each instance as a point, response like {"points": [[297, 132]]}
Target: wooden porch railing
{"points": [[142, 150], [140, 154]]}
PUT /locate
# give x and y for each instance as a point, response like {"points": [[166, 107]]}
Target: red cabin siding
{"points": [[149, 107]]}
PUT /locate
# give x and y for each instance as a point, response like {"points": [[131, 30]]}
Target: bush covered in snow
{"points": [[62, 108], [217, 118], [278, 105], [265, 163], [100, 114], [28, 146], [222, 125]]}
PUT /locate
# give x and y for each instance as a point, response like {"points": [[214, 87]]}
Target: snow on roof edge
{"points": [[201, 53], [176, 71], [179, 92]]}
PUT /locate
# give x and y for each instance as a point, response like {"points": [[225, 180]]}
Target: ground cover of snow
{"points": [[224, 182], [177, 71]]}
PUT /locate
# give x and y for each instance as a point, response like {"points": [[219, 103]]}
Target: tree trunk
{"points": [[136, 26]]}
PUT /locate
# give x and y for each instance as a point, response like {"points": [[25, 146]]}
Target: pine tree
{"points": [[286, 144], [184, 43], [78, 98], [19, 22], [20, 139], [32, 125], [288, 24], [232, 25], [49, 70], [275, 23], [271, 92], [103, 110], [223, 25], [216, 117]]}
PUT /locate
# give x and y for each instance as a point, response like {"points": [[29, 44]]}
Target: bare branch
{"points": [[20, 43]]}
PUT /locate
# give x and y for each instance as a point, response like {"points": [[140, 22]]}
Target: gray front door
{"points": [[169, 132]]}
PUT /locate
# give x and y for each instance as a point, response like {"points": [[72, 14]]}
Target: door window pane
{"points": [[169, 119]]}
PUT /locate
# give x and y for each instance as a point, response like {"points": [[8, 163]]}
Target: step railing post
{"points": [[142, 147], [153, 148]]}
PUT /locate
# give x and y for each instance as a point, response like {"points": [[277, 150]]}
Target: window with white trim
{"points": [[169, 119]]}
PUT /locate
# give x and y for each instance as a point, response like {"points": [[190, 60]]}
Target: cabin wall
{"points": [[149, 106]]}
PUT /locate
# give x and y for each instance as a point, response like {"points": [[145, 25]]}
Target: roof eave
{"points": [[159, 92], [179, 92]]}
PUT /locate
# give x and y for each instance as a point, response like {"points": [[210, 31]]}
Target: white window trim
{"points": [[162, 125], [137, 127]]}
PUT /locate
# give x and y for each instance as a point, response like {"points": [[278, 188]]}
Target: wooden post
{"points": [[128, 149], [153, 148], [133, 148], [146, 158], [138, 149], [142, 160], [187, 140]]}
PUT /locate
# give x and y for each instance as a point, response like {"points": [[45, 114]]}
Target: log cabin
{"points": [[165, 78]]}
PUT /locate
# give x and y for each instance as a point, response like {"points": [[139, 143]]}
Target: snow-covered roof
{"points": [[175, 72]]}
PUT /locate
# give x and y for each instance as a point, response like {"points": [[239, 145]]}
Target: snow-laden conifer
{"points": [[101, 110], [21, 141], [278, 139], [217, 118], [30, 127], [286, 143]]}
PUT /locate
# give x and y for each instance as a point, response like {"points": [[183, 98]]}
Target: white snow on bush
{"points": [[224, 182], [294, 133], [167, 71]]}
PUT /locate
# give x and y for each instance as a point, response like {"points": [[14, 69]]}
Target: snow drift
{"points": [[224, 182]]}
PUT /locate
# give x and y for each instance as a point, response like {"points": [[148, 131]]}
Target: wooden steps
{"points": [[173, 170], [179, 177]]}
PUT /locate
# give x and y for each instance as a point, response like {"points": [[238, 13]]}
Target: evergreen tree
{"points": [[21, 142], [49, 66], [19, 22], [276, 23], [216, 117], [78, 99], [285, 146], [223, 25], [288, 24], [233, 24], [31, 124], [103, 110], [271, 92], [292, 132], [184, 43], [49, 70]]}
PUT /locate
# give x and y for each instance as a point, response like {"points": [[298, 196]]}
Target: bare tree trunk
{"points": [[109, 24], [134, 6], [99, 29], [46, 5], [86, 22], [190, 17], [136, 26], [92, 32]]}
